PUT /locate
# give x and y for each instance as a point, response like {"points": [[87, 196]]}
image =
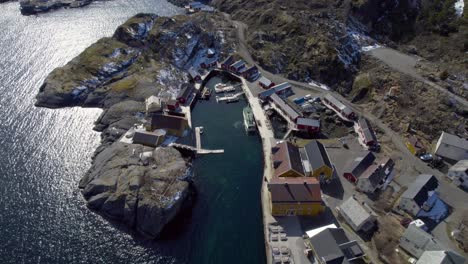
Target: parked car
{"points": [[426, 157], [308, 96], [405, 222]]}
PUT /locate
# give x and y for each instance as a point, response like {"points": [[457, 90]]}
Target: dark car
{"points": [[426, 157]]}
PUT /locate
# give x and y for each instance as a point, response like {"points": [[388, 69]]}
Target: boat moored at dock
{"points": [[249, 120]]}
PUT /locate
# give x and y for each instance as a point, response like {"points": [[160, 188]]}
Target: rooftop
{"points": [[284, 106], [288, 157], [308, 122], [317, 155], [357, 166], [418, 190], [440, 257], [356, 212], [332, 246], [461, 165], [295, 189], [421, 238], [265, 81], [338, 104], [452, 147]]}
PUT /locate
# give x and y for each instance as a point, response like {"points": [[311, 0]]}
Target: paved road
{"points": [[406, 65]]}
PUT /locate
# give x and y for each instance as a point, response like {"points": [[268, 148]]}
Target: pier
{"points": [[198, 150]]}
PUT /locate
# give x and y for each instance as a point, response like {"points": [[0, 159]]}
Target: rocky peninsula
{"points": [[31, 7], [143, 187]]}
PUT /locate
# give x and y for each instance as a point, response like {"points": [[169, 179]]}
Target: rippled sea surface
{"points": [[44, 153]]}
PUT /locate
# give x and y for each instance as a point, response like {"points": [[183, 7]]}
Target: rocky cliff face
{"points": [[31, 7], [148, 55]]}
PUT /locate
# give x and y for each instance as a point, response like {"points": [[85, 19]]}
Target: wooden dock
{"points": [[198, 149], [229, 98]]}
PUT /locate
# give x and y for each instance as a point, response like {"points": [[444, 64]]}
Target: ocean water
{"points": [[44, 153]]}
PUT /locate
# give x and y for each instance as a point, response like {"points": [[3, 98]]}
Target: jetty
{"points": [[222, 88], [198, 150]]}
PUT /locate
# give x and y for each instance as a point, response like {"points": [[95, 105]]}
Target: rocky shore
{"points": [[31, 7], [143, 187]]}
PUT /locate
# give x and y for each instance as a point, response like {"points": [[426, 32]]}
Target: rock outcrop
{"points": [[147, 55], [31, 7], [140, 186]]}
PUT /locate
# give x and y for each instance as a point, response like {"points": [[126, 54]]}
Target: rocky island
{"points": [[148, 55], [31, 7]]}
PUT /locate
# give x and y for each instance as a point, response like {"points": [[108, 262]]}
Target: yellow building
{"points": [[319, 164], [295, 196], [291, 192]]}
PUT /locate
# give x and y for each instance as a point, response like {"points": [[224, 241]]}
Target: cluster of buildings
{"points": [[275, 96], [295, 185], [165, 117], [367, 173], [194, 7], [240, 67]]}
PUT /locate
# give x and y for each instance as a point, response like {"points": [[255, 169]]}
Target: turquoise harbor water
{"points": [[44, 153]]}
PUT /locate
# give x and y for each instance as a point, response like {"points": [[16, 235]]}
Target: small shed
{"points": [[265, 83]]}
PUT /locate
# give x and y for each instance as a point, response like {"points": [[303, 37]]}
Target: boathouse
{"points": [[285, 109], [209, 63], [174, 125], [250, 72], [237, 66], [194, 75], [227, 62], [265, 83], [172, 105], [282, 90], [185, 93], [338, 106], [308, 125]]}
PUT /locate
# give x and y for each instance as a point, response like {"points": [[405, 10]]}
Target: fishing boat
{"points": [[222, 88], [249, 120]]}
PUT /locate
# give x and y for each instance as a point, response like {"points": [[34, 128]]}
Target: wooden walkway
{"points": [[198, 149]]}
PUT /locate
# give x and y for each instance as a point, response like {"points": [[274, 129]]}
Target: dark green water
{"points": [[227, 212]]}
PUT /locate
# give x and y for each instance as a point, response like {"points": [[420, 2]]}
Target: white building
{"points": [[416, 241], [440, 257], [420, 195], [458, 173], [153, 104], [359, 216], [452, 147]]}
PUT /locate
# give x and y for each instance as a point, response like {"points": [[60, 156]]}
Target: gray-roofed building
{"points": [[150, 139], [265, 83], [458, 173], [282, 89], [440, 257], [338, 106], [356, 167], [308, 124], [371, 179], [418, 193], [415, 241], [284, 107], [174, 125], [359, 216], [227, 62], [452, 147], [318, 160], [332, 246], [237, 66], [194, 75]]}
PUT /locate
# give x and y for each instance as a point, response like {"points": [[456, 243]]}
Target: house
{"points": [[415, 146], [366, 133], [174, 125], [419, 194], [416, 241], [451, 147], [284, 108], [194, 75], [282, 90], [172, 105], [337, 106], [250, 72], [318, 162], [186, 91], [458, 173], [332, 246], [150, 139], [237, 66], [315, 231], [358, 215], [287, 160], [153, 104], [308, 125], [440, 257], [209, 63], [265, 83], [295, 196], [354, 169], [227, 62], [374, 176]]}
